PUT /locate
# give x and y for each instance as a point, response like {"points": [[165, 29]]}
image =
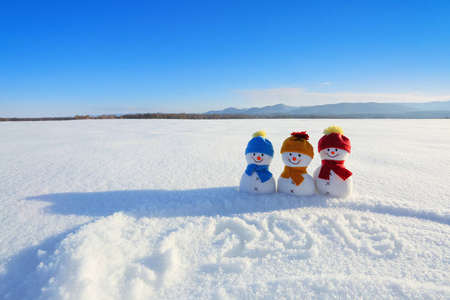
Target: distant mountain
{"points": [[348, 110], [275, 109], [430, 106], [229, 111], [352, 109], [267, 110]]}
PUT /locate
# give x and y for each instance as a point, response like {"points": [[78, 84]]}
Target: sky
{"points": [[63, 58]]}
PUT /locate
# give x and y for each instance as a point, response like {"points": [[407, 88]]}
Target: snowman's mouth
{"points": [[257, 161], [294, 162], [332, 156]]}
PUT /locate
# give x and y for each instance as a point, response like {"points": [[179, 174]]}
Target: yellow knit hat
{"points": [[298, 142]]}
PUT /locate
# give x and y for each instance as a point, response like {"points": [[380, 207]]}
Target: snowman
{"points": [[297, 154], [259, 153], [332, 178]]}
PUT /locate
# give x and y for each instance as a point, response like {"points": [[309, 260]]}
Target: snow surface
{"points": [[149, 209]]}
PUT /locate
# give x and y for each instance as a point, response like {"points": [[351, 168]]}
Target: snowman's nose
{"points": [[294, 159], [332, 152], [258, 158]]}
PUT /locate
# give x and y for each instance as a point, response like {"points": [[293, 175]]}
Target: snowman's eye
{"points": [[336, 150], [254, 154], [299, 155], [290, 154], [328, 150], [262, 154]]}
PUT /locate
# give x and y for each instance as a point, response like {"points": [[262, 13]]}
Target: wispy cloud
{"points": [[325, 83], [300, 96]]}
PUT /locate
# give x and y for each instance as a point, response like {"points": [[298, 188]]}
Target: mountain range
{"points": [[429, 110]]}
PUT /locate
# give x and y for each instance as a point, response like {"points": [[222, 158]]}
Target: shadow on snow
{"points": [[175, 203], [221, 201]]}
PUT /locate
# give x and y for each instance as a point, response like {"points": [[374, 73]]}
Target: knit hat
{"points": [[259, 144], [298, 142], [334, 138]]}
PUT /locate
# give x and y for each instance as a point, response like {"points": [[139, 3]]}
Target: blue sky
{"points": [[62, 58]]}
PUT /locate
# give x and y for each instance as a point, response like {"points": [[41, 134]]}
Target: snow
{"points": [[149, 209]]}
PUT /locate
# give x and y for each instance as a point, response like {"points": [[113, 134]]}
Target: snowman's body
{"points": [[257, 182], [306, 188], [288, 185], [253, 184], [334, 186]]}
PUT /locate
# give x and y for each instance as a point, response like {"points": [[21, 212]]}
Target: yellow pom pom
{"points": [[333, 129], [260, 133]]}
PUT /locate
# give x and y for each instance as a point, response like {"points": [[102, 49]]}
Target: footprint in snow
{"points": [[363, 234], [270, 236], [238, 239], [296, 238], [232, 239]]}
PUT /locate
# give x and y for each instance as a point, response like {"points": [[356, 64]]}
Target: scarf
{"points": [[294, 173], [337, 166], [262, 171]]}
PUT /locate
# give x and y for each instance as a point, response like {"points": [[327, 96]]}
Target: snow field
{"points": [[139, 209]]}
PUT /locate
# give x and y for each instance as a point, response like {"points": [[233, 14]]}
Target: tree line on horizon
{"points": [[137, 116], [186, 116]]}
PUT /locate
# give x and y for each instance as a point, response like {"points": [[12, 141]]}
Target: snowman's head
{"points": [[334, 145], [296, 151], [259, 150], [258, 158], [333, 154], [296, 159]]}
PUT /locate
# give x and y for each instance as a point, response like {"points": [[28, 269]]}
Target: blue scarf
{"points": [[262, 171]]}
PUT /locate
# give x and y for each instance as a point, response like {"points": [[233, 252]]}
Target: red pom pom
{"points": [[301, 135]]}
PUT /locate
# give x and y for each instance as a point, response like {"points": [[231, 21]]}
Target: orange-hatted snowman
{"points": [[297, 153]]}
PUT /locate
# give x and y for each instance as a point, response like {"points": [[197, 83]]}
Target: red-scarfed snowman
{"points": [[332, 178]]}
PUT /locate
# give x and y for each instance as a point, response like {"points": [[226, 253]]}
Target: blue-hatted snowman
{"points": [[257, 178]]}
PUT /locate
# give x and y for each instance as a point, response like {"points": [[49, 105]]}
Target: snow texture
{"points": [[150, 209]]}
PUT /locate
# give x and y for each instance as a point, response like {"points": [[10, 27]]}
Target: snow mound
{"points": [[313, 252]]}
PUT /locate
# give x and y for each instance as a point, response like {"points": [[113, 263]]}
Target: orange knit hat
{"points": [[298, 142]]}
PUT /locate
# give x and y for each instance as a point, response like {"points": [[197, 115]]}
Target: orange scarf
{"points": [[294, 173]]}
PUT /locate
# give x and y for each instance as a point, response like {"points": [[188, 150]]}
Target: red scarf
{"points": [[337, 166], [296, 174]]}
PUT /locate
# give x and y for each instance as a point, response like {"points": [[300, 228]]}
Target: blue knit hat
{"points": [[259, 144]]}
